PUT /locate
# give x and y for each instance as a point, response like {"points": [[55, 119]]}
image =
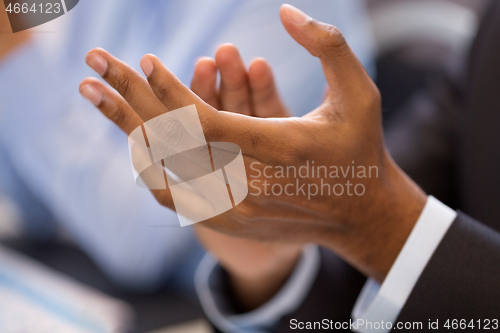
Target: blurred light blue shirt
{"points": [[61, 159]]}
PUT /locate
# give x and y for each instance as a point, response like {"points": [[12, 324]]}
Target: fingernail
{"points": [[91, 93], [97, 63], [296, 15], [146, 65]]}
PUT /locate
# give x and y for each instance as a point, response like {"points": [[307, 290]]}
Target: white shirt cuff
{"points": [[382, 304], [262, 319]]}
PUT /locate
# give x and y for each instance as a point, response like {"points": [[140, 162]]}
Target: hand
{"points": [[253, 93], [367, 228], [257, 270], [8, 40]]}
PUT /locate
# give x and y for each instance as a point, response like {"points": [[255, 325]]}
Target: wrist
{"points": [[381, 222], [400, 204], [253, 290]]}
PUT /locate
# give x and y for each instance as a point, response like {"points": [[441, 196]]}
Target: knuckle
{"points": [[116, 114], [123, 84], [236, 85], [265, 94], [292, 154], [294, 148], [118, 117], [334, 41], [372, 99], [161, 89]]}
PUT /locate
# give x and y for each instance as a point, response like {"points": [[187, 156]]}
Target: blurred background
{"points": [[69, 210]]}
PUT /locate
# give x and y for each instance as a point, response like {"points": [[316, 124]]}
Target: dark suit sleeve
{"points": [[331, 297], [462, 279]]}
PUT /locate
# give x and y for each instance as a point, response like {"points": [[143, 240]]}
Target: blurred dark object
{"points": [[418, 41], [480, 142], [153, 311], [441, 99], [423, 51]]}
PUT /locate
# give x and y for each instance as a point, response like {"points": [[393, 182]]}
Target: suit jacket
{"points": [[462, 279]]}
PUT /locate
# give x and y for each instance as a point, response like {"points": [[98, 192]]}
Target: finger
{"points": [[168, 88], [164, 198], [254, 136], [343, 71], [127, 81], [111, 104], [234, 88], [114, 107], [265, 98], [204, 83]]}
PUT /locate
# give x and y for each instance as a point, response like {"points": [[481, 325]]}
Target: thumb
{"points": [[343, 71]]}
